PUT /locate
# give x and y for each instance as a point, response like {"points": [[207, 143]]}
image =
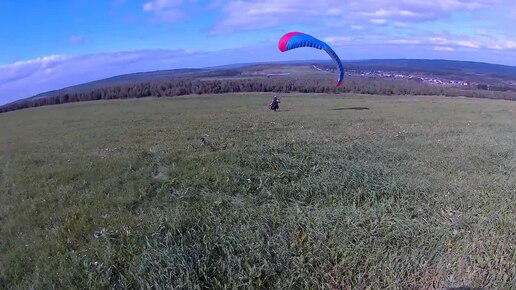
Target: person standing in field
{"points": [[274, 105]]}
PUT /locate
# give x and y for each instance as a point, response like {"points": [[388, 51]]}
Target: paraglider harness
{"points": [[274, 105]]}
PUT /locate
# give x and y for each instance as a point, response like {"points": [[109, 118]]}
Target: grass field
{"points": [[218, 192]]}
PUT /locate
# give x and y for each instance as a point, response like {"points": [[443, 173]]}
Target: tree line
{"points": [[187, 86]]}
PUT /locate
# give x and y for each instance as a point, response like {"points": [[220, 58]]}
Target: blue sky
{"points": [[48, 45]]}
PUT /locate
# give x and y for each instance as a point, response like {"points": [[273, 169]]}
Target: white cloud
{"points": [[405, 41], [165, 10], [251, 15], [14, 70], [455, 42], [379, 21], [439, 40], [159, 5], [404, 11], [467, 43], [393, 13], [334, 11], [503, 45], [338, 40], [443, 48]]}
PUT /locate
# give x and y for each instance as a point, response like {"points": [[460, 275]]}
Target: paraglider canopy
{"points": [[294, 40]]}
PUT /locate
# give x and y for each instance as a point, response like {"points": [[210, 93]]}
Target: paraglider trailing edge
{"points": [[294, 40]]}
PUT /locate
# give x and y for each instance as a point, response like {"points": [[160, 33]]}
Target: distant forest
{"points": [[178, 86]]}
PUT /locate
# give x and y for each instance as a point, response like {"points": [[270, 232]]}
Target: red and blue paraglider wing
{"points": [[294, 40]]}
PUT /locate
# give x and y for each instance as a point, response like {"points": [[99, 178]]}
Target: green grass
{"points": [[218, 192]]}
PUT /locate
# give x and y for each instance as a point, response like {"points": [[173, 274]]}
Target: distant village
{"points": [[421, 78], [467, 82], [413, 77], [417, 77]]}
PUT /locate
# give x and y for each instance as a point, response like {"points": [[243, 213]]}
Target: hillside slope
{"points": [[287, 76]]}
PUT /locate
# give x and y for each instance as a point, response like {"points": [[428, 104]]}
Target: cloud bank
{"points": [[258, 14]]}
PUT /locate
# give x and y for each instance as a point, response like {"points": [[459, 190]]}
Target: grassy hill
{"points": [[498, 77], [215, 192]]}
